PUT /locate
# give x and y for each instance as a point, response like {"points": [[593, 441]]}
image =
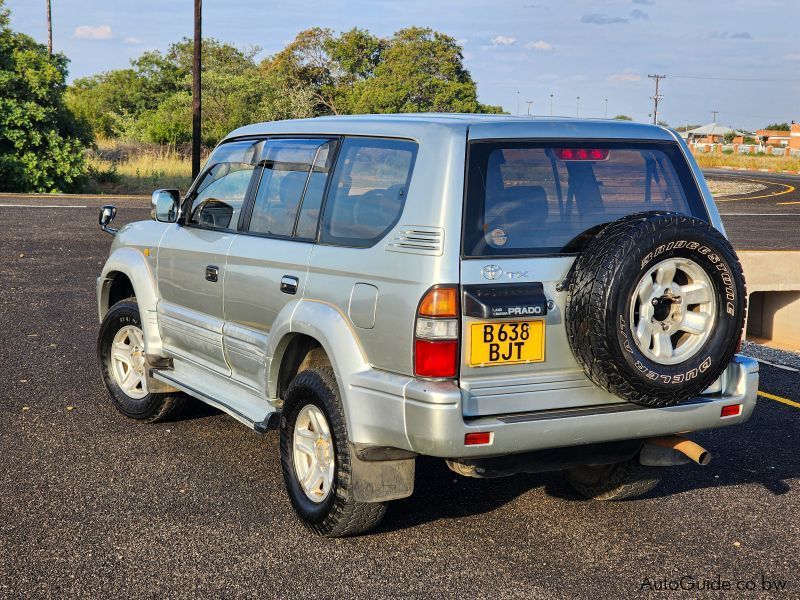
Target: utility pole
{"points": [[656, 97], [196, 105], [714, 114], [551, 105], [49, 29], [529, 103]]}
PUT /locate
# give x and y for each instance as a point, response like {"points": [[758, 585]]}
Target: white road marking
{"points": [[777, 366], [795, 214], [42, 205]]}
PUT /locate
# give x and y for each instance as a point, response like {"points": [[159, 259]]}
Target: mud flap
{"points": [[378, 481]]}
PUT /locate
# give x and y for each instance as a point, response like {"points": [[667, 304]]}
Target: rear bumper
{"points": [[431, 421]]}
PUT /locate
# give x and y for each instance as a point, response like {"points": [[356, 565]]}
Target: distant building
{"points": [[714, 133], [794, 139], [776, 138]]}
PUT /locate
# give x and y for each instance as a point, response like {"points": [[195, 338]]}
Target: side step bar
{"points": [[270, 422]]}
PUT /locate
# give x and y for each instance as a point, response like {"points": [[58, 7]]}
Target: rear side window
{"points": [[293, 175], [527, 198], [368, 190]]}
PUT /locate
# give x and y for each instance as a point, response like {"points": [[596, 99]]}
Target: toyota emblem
{"points": [[492, 272]]}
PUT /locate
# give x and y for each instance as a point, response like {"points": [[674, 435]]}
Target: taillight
{"points": [[582, 153], [436, 333]]}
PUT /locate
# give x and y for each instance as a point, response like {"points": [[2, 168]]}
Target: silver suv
{"points": [[512, 295]]}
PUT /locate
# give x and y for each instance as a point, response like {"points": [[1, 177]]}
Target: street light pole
{"points": [[529, 103], [551, 105], [578, 107], [196, 93], [605, 110], [518, 113]]}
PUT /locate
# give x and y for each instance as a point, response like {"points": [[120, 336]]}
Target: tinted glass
{"points": [[368, 190], [286, 166], [220, 193], [315, 189], [525, 198]]}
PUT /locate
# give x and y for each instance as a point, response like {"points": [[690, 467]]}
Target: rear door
{"points": [[530, 207], [267, 263]]}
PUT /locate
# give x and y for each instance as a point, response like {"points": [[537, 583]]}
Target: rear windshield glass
{"points": [[527, 198]]}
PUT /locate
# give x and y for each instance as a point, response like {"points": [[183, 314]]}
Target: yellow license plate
{"points": [[506, 343]]}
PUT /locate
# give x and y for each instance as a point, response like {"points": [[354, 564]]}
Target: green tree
{"points": [[778, 126], [41, 144], [623, 118], [420, 70]]}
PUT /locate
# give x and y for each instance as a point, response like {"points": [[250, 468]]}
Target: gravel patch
{"points": [[771, 355], [727, 187]]}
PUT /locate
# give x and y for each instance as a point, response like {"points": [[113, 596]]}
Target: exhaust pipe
{"points": [[685, 446]]}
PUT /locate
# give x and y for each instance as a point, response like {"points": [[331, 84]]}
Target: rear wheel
{"points": [[121, 354], [617, 481], [315, 458]]}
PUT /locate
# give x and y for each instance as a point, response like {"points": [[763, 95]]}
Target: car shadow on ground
{"points": [[742, 456]]}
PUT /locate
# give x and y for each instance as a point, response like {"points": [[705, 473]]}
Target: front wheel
{"points": [[617, 481], [121, 354], [315, 459]]}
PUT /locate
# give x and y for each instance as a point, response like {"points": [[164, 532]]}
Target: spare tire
{"points": [[655, 307]]}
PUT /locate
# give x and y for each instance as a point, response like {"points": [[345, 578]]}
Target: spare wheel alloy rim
{"points": [[313, 453], [128, 362], [673, 311]]}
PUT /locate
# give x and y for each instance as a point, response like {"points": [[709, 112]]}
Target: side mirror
{"points": [[107, 214], [164, 205]]}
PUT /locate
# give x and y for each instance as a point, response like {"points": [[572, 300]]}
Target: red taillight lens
{"points": [[582, 153], [435, 359], [732, 410], [477, 438]]}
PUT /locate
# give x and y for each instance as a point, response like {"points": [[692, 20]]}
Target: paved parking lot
{"points": [[94, 504]]}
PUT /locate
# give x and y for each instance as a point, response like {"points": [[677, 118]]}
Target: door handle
{"points": [[212, 273], [289, 284]]}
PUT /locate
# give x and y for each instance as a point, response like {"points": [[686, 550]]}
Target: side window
{"points": [[220, 194], [368, 190], [290, 178]]}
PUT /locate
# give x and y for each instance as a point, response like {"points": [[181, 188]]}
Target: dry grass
{"points": [[750, 162], [120, 168]]}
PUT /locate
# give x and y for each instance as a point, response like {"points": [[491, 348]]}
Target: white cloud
{"points": [[504, 40], [132, 40], [627, 76], [793, 57], [539, 45], [87, 32]]}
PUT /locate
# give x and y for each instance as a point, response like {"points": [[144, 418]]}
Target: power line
{"points": [[727, 78], [656, 97]]}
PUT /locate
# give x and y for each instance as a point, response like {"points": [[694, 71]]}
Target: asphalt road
{"points": [[93, 504], [765, 220]]}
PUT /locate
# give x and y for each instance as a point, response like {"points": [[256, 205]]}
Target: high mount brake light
{"points": [[582, 153], [436, 333]]}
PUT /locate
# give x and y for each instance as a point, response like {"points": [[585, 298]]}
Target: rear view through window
{"points": [[532, 198]]}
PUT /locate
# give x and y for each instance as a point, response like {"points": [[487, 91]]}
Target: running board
{"points": [[270, 421]]}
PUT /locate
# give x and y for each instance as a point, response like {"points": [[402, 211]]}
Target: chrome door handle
{"points": [[212, 273], [289, 284]]}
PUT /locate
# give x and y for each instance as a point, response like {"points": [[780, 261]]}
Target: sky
{"points": [[738, 57]]}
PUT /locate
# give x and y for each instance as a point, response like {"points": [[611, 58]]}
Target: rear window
{"points": [[527, 198]]}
